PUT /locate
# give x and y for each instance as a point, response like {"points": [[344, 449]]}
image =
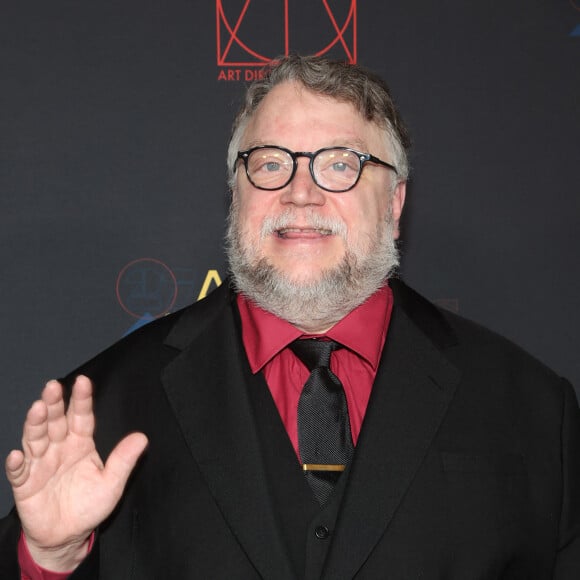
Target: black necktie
{"points": [[324, 438]]}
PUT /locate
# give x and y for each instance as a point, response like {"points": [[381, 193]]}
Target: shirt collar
{"points": [[363, 330]]}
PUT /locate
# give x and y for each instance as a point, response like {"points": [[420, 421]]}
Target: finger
{"points": [[52, 395], [16, 468], [123, 459], [35, 433], [80, 418]]}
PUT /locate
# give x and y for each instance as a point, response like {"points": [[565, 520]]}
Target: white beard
{"points": [[315, 305]]}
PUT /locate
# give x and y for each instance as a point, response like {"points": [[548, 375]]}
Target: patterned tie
{"points": [[324, 438]]}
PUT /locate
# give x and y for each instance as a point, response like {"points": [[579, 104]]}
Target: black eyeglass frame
{"points": [[363, 159]]}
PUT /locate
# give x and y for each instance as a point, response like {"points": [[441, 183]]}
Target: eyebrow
{"points": [[358, 144], [352, 143]]}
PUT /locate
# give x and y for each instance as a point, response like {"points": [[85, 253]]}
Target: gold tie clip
{"points": [[322, 467]]}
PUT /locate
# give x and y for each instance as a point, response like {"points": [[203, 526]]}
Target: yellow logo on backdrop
{"points": [[147, 288], [212, 276]]}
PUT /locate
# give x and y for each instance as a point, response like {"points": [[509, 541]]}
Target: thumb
{"points": [[123, 459], [16, 468]]}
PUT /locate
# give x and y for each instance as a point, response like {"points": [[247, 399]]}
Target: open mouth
{"points": [[302, 232]]}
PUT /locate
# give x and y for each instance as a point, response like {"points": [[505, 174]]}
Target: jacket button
{"points": [[322, 532]]}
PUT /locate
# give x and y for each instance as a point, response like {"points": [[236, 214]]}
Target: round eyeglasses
{"points": [[335, 169]]}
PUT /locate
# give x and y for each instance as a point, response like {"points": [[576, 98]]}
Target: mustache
{"points": [[310, 219]]}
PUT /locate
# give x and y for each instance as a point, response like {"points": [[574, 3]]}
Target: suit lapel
{"points": [[411, 394], [206, 387], [208, 393]]}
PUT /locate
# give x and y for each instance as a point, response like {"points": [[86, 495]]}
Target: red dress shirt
{"points": [[362, 333], [30, 570]]}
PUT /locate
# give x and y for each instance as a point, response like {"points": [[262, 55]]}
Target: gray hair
{"points": [[353, 84]]}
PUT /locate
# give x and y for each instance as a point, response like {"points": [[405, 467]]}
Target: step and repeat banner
{"points": [[114, 122]]}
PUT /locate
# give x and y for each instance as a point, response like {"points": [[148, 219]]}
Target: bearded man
{"points": [[314, 417]]}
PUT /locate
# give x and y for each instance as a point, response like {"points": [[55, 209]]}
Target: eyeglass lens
{"points": [[334, 169]]}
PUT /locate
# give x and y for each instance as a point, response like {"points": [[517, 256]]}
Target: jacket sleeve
{"points": [[9, 569], [9, 535]]}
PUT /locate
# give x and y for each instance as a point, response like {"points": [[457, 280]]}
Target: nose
{"points": [[302, 190]]}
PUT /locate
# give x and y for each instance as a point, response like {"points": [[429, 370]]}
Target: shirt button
{"points": [[322, 532]]}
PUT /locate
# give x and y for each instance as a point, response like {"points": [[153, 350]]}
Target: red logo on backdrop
{"points": [[146, 288], [251, 33]]}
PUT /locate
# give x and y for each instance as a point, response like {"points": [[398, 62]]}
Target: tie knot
{"points": [[314, 353]]}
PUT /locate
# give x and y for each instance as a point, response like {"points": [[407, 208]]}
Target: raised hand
{"points": [[61, 487]]}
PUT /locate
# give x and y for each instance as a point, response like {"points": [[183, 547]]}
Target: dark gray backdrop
{"points": [[114, 124]]}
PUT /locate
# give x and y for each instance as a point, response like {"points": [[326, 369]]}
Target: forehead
{"points": [[293, 116]]}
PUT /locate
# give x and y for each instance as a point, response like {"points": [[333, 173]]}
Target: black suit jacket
{"points": [[467, 465]]}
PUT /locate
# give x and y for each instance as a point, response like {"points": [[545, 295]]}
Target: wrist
{"points": [[63, 558]]}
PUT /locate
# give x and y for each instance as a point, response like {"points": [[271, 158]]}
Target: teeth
{"points": [[285, 231]]}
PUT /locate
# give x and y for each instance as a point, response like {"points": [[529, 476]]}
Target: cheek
{"points": [[254, 208], [365, 227], [362, 219], [248, 211], [251, 219]]}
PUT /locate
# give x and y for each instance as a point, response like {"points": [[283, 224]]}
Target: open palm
{"points": [[61, 487]]}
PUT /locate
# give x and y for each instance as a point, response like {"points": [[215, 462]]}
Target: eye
{"points": [[337, 161], [340, 166], [269, 161]]}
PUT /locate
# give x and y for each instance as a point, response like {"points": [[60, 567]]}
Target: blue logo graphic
{"points": [[576, 5], [146, 289]]}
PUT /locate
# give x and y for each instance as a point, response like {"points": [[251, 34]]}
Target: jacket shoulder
{"points": [[155, 343], [467, 342]]}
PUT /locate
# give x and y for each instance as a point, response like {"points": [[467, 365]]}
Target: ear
{"points": [[397, 203]]}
